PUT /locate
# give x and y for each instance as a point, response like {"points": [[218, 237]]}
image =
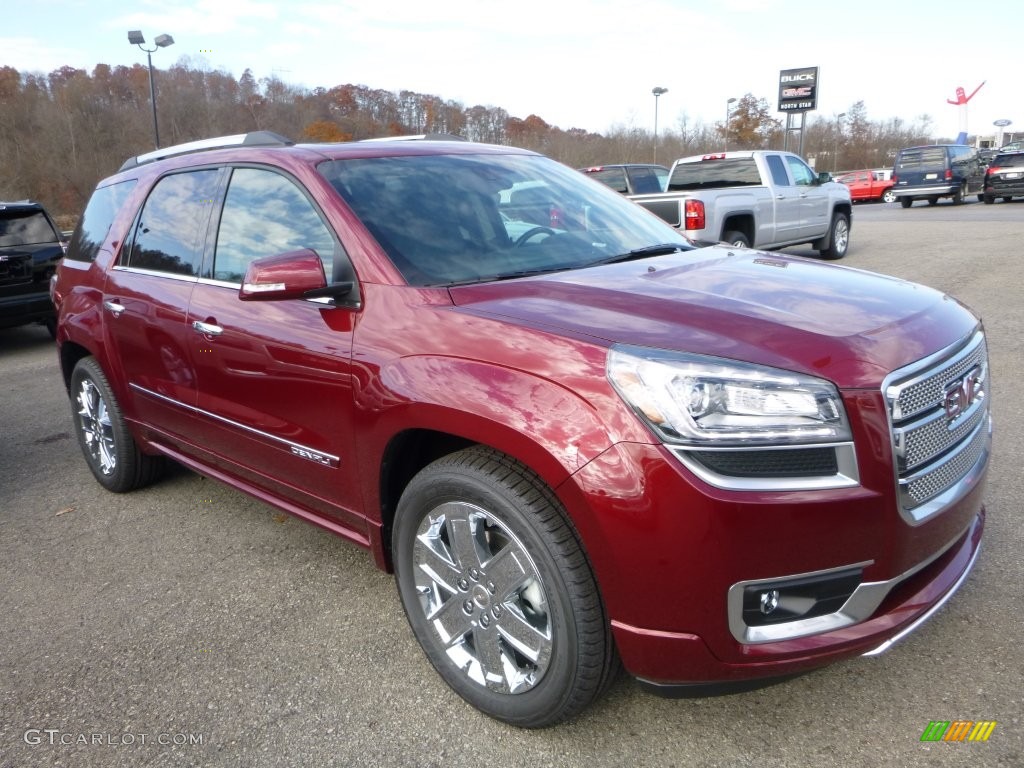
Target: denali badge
{"points": [[961, 395], [319, 458]]}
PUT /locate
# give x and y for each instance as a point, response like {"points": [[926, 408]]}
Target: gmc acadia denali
{"points": [[573, 437]]}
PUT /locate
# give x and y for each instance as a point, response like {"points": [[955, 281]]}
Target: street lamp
{"points": [[835, 144], [727, 111], [657, 92], [162, 41]]}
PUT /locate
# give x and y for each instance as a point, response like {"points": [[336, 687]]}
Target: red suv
{"points": [[575, 438]]}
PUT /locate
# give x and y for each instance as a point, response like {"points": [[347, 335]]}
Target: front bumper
{"points": [[667, 549]]}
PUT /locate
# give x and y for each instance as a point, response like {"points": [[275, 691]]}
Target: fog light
{"points": [[793, 599]]}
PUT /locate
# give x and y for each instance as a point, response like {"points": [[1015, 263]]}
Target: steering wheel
{"points": [[531, 233]]}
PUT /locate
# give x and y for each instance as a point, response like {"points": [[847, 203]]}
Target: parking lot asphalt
{"points": [[187, 624]]}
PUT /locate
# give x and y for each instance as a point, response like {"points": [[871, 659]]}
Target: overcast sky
{"points": [[575, 63]]}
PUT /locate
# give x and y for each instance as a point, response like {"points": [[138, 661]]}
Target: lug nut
{"points": [[496, 611], [491, 587], [484, 619], [467, 606], [474, 574], [462, 584]]}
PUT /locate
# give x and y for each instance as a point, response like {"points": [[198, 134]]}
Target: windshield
{"points": [[450, 219]]}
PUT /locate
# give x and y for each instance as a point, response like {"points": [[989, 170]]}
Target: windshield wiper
{"points": [[661, 249]]}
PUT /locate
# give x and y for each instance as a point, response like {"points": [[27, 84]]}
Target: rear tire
{"points": [[838, 237], [1007, 199], [498, 591], [888, 196], [988, 199], [109, 448], [933, 201], [958, 196], [736, 239]]}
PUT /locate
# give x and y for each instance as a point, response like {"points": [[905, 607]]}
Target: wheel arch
{"points": [[742, 222]]}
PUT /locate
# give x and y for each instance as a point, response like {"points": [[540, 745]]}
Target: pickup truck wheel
{"points": [[838, 237], [497, 590], [906, 202], [110, 451], [988, 199], [1007, 199], [736, 240], [888, 196], [933, 201], [958, 196]]}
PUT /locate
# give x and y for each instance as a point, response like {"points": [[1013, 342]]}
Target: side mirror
{"points": [[824, 177], [284, 276]]}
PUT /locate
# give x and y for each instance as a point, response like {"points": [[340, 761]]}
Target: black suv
{"points": [[1004, 177], [30, 249], [630, 178]]}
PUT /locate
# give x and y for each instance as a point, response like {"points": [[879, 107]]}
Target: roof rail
{"points": [[251, 139], [421, 137]]}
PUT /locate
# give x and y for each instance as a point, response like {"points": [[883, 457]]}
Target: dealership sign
{"points": [[798, 89]]}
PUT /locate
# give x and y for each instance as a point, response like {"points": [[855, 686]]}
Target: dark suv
{"points": [[30, 249], [1004, 177], [573, 436]]}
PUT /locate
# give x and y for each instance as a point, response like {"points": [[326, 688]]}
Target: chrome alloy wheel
{"points": [[482, 595], [97, 429], [841, 235]]}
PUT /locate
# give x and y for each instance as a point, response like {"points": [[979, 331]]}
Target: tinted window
{"points": [[170, 232], [1008, 161], [920, 158], [732, 172], [645, 182], [95, 222], [803, 176], [25, 227], [611, 177], [266, 214], [777, 170]]}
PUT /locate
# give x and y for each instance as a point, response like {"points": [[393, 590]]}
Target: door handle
{"points": [[207, 329], [112, 306]]}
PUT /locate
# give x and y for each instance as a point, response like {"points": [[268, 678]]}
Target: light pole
{"points": [[835, 144], [727, 111], [162, 41], [657, 92]]}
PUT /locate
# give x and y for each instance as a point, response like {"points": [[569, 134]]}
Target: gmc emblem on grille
{"points": [[962, 394]]}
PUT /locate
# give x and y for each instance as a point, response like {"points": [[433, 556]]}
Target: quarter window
{"points": [[170, 232], [266, 214], [95, 223]]}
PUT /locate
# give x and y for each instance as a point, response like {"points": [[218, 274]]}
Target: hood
{"points": [[846, 325]]}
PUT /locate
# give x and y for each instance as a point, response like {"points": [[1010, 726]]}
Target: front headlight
{"points": [[709, 401]]}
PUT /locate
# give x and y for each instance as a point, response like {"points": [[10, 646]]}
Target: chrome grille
{"points": [[936, 448]]}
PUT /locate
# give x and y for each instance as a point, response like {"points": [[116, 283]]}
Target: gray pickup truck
{"points": [[761, 199]]}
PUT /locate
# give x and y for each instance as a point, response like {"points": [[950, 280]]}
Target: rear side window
{"points": [[920, 158], [731, 172], [778, 170], [25, 227], [95, 222], [170, 231]]}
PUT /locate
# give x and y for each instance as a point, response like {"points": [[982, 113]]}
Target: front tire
{"points": [[838, 237], [906, 202], [497, 590], [109, 448]]}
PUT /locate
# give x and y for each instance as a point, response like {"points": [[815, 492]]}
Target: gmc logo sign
{"points": [[962, 394]]}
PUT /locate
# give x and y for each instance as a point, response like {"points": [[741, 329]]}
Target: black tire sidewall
{"points": [[121, 479], [551, 699]]}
